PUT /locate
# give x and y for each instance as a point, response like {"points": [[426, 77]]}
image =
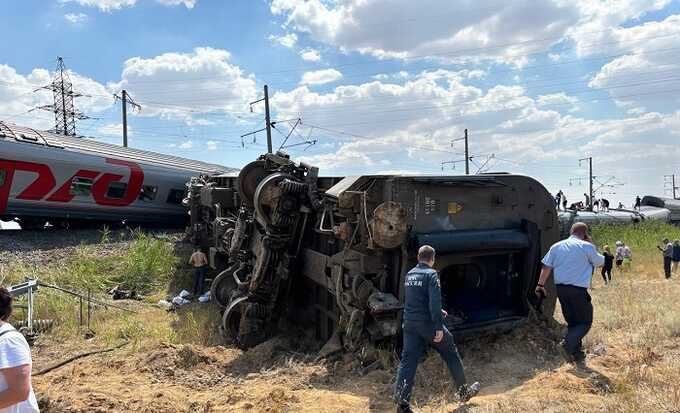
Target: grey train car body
{"points": [[350, 242], [61, 179], [613, 216], [672, 205]]}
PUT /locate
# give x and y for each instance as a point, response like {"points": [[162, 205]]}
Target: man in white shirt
{"points": [[16, 392], [572, 261]]}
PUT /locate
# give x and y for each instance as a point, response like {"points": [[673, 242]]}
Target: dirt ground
{"points": [[519, 370], [633, 362]]}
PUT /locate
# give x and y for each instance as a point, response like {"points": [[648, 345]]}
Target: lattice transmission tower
{"points": [[65, 113]]}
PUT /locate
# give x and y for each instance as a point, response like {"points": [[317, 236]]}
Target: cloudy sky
{"points": [[380, 86]]}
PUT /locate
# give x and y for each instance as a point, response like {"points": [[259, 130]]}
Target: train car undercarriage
{"points": [[331, 253]]}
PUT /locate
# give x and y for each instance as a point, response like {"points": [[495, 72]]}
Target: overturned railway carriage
{"points": [[67, 180], [331, 253], [614, 217], [651, 202]]}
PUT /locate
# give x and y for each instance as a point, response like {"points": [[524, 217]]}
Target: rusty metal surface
{"points": [[389, 225]]}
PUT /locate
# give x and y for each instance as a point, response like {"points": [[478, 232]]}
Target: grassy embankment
{"points": [[639, 314], [154, 266]]}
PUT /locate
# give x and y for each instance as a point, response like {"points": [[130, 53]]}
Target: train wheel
{"points": [[222, 287], [231, 319]]}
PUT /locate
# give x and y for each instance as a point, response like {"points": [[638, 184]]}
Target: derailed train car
{"points": [[613, 217], [331, 253], [651, 202]]}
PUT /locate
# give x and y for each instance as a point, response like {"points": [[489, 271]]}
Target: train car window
{"points": [[116, 190], [3, 174], [148, 193], [81, 186], [175, 196]]}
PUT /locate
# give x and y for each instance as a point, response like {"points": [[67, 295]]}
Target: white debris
{"points": [[184, 294], [205, 297], [179, 301], [164, 304]]}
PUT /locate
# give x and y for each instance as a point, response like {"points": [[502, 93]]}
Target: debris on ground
{"points": [[118, 293], [205, 297]]}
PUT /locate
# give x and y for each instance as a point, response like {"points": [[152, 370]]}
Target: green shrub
{"points": [[642, 237], [148, 264]]}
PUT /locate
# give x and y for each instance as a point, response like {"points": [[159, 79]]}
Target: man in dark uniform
{"points": [[423, 327]]}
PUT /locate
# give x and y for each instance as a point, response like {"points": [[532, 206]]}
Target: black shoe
{"points": [[466, 392], [405, 408], [579, 357]]}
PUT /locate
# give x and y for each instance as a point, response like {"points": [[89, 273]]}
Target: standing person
{"points": [[16, 392], [605, 204], [627, 257], [587, 201], [618, 257], [667, 251], [572, 262], [558, 198], [676, 255], [608, 264], [638, 202], [564, 202], [423, 327], [200, 263]]}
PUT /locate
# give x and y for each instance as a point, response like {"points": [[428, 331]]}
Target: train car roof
{"points": [[30, 136]]}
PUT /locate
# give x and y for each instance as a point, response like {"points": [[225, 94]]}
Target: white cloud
{"points": [[288, 40], [199, 122], [185, 85], [113, 129], [556, 99], [75, 18], [645, 75], [189, 4], [600, 20], [186, 145], [104, 5], [110, 5], [320, 77], [462, 31], [409, 124], [211, 145], [432, 28], [310, 55]]}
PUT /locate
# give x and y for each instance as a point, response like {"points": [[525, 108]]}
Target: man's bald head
{"points": [[579, 229], [426, 254]]}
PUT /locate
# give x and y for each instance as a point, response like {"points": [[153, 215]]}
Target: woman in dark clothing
{"points": [[608, 264]]}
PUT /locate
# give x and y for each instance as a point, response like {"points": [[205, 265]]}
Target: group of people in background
{"points": [[598, 204], [623, 258]]}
